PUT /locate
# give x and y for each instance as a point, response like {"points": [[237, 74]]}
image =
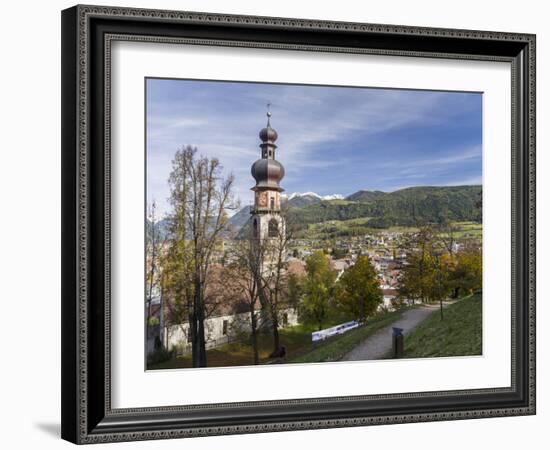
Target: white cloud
{"points": [[304, 118], [419, 168]]}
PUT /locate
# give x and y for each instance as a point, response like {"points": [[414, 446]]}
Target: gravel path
{"points": [[379, 344]]}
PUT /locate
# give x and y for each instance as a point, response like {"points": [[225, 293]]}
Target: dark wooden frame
{"points": [[87, 31]]}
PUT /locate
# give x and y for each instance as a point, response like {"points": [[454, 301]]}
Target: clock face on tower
{"points": [[262, 199]]}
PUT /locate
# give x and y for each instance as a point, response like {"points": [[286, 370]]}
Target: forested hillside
{"points": [[405, 207]]}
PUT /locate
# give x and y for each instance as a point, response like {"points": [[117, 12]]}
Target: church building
{"points": [[267, 223], [268, 229]]}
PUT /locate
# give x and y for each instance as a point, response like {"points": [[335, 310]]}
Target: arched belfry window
{"points": [[272, 203], [255, 228], [273, 228]]}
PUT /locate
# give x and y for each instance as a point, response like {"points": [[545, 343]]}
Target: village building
{"points": [[228, 320], [389, 297]]}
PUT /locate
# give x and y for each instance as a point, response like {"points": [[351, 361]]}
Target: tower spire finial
{"points": [[268, 114]]}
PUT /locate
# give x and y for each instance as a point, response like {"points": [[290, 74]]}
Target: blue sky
{"points": [[332, 140]]}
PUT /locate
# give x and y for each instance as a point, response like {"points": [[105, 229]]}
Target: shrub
{"points": [[160, 355]]}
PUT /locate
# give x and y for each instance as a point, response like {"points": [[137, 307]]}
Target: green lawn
{"points": [[458, 334], [348, 228], [468, 230], [359, 227], [296, 340]]}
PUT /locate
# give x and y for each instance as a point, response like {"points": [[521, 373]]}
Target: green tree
{"points": [[176, 266], [318, 289], [295, 289], [359, 291], [466, 275], [422, 276]]}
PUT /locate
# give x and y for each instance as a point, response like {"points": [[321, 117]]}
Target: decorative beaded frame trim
{"points": [[87, 12]]}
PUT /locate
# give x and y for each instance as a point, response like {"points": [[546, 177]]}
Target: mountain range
{"points": [[298, 200], [404, 207], [365, 196]]}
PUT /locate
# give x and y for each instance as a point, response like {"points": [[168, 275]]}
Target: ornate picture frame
{"points": [[87, 36]]}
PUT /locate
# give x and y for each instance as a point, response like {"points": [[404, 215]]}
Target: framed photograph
{"points": [[280, 224]]}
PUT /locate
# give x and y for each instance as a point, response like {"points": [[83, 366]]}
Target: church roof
{"points": [[268, 134], [267, 171]]}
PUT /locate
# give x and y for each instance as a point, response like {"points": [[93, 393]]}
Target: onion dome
{"points": [[268, 173], [268, 134]]}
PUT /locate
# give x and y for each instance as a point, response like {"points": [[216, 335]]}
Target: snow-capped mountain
{"points": [[302, 199], [313, 194], [333, 197]]}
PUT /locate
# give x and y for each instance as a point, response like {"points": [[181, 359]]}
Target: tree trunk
{"points": [[195, 336], [276, 340], [254, 334], [201, 339], [148, 314], [194, 340], [199, 343]]}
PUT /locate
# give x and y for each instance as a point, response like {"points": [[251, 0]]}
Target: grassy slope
{"points": [[334, 349], [458, 334]]}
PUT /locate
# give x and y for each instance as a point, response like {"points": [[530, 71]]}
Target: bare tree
{"points": [[153, 244], [272, 275], [202, 196], [244, 286], [448, 237]]}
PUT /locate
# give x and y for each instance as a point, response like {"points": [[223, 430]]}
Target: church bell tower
{"points": [[267, 222]]}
